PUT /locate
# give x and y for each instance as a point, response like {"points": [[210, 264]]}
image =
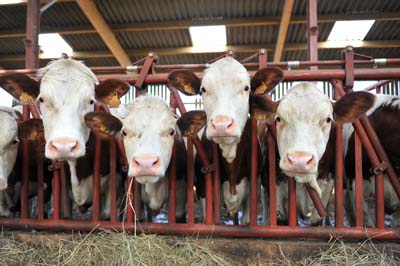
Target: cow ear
{"points": [[191, 123], [185, 81], [266, 79], [31, 129], [262, 107], [21, 87], [110, 91], [353, 105], [103, 124]]}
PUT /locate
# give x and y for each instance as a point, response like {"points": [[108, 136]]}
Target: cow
{"points": [[305, 127], [12, 131], [384, 117], [149, 132], [225, 89], [67, 93]]}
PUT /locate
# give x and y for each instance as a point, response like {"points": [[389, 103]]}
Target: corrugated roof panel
{"points": [[94, 62], [64, 14], [384, 30], [252, 35], [120, 11], [12, 17], [85, 42], [154, 39], [12, 46]]}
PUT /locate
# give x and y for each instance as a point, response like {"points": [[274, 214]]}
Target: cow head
{"points": [[225, 90], [304, 118], [67, 93], [148, 133]]}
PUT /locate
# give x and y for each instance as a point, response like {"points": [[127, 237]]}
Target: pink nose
{"points": [[146, 165], [299, 162], [222, 126], [63, 149]]}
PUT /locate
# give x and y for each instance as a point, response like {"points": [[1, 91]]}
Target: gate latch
{"points": [[208, 168], [380, 169]]}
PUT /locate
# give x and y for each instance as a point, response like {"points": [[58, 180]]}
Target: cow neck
{"points": [[234, 167]]}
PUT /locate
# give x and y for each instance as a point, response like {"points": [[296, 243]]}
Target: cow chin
{"points": [[147, 179], [224, 140]]}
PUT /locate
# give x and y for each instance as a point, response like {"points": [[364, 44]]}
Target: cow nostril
{"points": [[155, 162], [230, 124], [311, 160]]}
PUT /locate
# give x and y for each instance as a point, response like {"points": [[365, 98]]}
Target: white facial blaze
{"points": [[67, 92], [303, 126], [8, 146], [148, 127], [225, 96]]}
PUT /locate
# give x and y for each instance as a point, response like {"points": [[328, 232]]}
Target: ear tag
{"points": [[113, 101], [25, 98], [188, 88], [261, 89]]}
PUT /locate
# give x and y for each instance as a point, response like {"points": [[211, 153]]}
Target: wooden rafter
{"points": [[184, 24], [96, 19], [283, 29], [236, 48]]}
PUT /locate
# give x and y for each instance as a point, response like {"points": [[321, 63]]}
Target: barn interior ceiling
{"points": [[117, 32]]}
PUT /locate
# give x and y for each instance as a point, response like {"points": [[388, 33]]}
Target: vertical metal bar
{"points": [[96, 182], [253, 172], [292, 202], [348, 54], [32, 34], [40, 181], [172, 188], [359, 181], [136, 198], [113, 181], [272, 178], [65, 200], [25, 169], [339, 210], [56, 191], [190, 181], [216, 186], [312, 32]]}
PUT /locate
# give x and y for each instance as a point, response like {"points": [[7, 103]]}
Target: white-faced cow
{"points": [[226, 90], [149, 132], [384, 117], [67, 93], [304, 120]]}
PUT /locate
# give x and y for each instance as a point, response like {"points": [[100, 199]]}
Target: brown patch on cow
{"points": [[353, 105], [110, 91], [185, 81], [31, 129], [103, 124], [191, 122], [266, 79], [21, 87], [262, 107]]}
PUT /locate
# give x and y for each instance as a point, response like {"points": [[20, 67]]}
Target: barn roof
{"points": [[162, 26]]}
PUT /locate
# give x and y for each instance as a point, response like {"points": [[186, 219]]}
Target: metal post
{"points": [[359, 181], [312, 32], [172, 188], [113, 181], [190, 182], [25, 169], [216, 186], [32, 34], [272, 178]]}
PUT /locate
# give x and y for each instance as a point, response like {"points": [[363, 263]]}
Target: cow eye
{"points": [[91, 102], [171, 132], [15, 141], [124, 133], [247, 88], [203, 90], [278, 119], [328, 120], [41, 99]]}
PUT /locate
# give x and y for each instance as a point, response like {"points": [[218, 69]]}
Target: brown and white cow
{"points": [[384, 117], [225, 90], [304, 120], [149, 132], [67, 93]]}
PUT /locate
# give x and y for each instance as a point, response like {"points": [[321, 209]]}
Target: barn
{"points": [[236, 119]]}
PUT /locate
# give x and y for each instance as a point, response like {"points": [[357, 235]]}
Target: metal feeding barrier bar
{"points": [[128, 218]]}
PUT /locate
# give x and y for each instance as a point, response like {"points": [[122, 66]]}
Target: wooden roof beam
{"points": [[283, 29], [96, 19], [185, 24]]}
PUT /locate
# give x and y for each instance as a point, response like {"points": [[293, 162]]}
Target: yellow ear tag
{"points": [[103, 129], [188, 88], [25, 98], [113, 101], [261, 89]]}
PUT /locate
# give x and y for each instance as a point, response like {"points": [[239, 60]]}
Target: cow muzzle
{"points": [[146, 166], [299, 163], [222, 126], [63, 149]]}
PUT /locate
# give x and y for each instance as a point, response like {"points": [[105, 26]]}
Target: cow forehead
{"points": [[67, 79], [304, 102], [227, 73], [149, 112]]}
